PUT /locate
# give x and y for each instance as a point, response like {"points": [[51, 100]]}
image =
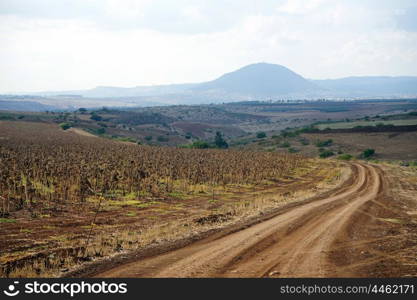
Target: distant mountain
{"points": [[24, 106], [371, 86], [138, 91], [255, 81], [259, 81]]}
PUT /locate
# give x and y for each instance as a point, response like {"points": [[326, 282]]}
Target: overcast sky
{"points": [[79, 44]]}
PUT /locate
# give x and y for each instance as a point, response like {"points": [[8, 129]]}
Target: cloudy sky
{"points": [[79, 44]]}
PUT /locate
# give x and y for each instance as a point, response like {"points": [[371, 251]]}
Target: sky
{"points": [[53, 45]]}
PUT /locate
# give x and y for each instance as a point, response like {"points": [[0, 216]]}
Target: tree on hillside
{"points": [[95, 117], [261, 135], [219, 141], [368, 153]]}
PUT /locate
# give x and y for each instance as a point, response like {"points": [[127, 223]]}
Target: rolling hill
{"points": [[259, 81]]}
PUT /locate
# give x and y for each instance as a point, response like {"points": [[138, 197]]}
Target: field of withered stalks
{"points": [[68, 199]]}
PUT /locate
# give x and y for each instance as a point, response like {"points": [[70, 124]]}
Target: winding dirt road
{"points": [[293, 243]]}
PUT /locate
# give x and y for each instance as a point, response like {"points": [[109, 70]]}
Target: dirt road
{"points": [[294, 243]]}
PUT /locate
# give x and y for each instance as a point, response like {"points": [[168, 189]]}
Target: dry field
{"points": [[364, 227], [401, 146], [69, 200], [387, 145], [345, 125]]}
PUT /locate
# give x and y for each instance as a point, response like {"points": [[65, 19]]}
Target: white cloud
{"points": [[128, 9], [142, 42], [300, 7]]}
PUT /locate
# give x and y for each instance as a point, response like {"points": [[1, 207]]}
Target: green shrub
{"points": [[162, 139], [219, 141], [326, 153], [101, 130], [368, 153], [261, 135], [285, 145], [286, 134], [307, 129], [65, 126], [96, 117], [325, 143], [198, 145], [148, 138], [345, 157], [292, 150]]}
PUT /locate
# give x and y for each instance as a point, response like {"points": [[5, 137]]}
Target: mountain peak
{"points": [[263, 65], [259, 80]]}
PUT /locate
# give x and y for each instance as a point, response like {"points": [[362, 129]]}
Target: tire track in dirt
{"points": [[295, 243]]}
